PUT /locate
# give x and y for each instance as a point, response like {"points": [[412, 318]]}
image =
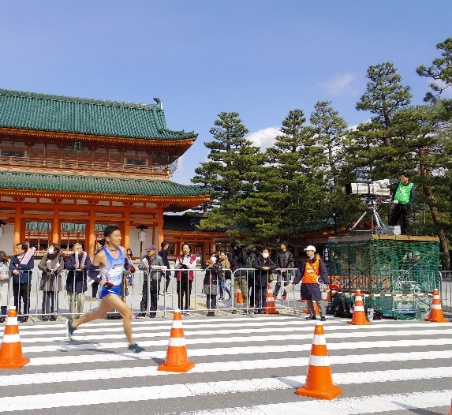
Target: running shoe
{"points": [[69, 329], [134, 348]]}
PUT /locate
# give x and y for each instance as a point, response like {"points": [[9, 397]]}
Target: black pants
{"points": [[153, 291], [401, 212], [184, 292], [49, 302], [211, 301], [259, 293], [22, 291]]}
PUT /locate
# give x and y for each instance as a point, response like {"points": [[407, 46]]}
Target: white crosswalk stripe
{"points": [[243, 366]]}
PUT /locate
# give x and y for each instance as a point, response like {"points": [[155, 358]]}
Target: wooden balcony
{"points": [[63, 165]]}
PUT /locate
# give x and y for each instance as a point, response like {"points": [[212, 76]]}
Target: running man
{"points": [[111, 260]]}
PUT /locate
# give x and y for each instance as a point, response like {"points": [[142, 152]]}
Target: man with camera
{"points": [[402, 202]]}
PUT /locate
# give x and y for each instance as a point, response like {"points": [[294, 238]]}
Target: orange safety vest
{"points": [[311, 271]]}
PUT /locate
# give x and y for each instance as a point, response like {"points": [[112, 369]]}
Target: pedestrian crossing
{"points": [[244, 365]]}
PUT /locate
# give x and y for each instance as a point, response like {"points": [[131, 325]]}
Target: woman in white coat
{"points": [[4, 285]]}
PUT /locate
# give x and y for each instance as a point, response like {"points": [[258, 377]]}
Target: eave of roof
{"points": [[13, 181], [60, 114]]}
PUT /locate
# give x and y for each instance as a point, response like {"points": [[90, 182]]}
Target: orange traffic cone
{"points": [[269, 307], [319, 383], [359, 316], [436, 312], [11, 351], [239, 296], [176, 355]]}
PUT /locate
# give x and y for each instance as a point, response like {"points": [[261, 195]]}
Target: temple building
{"points": [[70, 166]]}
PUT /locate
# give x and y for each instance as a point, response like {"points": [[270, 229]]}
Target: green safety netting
{"points": [[403, 268], [383, 263]]}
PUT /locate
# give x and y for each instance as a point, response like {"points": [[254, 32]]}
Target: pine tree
{"points": [[330, 131], [229, 172], [440, 71], [372, 152]]}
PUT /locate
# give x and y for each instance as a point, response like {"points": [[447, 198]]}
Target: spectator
{"points": [[95, 284], [238, 265], [4, 286], [77, 264], [185, 275], [225, 275], [51, 265], [21, 266], [283, 260], [164, 254], [264, 266], [153, 267], [211, 280]]}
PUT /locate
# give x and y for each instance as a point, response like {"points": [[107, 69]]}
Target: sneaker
{"points": [[69, 329], [186, 313], [140, 316], [322, 318], [134, 348]]}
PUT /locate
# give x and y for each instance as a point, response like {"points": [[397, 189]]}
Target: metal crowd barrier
{"points": [[66, 304], [446, 290], [254, 291]]}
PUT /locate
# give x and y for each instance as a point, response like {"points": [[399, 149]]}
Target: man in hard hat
{"points": [[311, 272]]}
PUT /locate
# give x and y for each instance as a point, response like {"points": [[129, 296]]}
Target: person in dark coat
{"points": [[164, 255], [21, 267], [77, 264], [283, 260], [51, 265], [264, 267], [211, 283], [311, 272]]}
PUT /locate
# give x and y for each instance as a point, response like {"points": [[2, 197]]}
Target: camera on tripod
{"points": [[379, 191]]}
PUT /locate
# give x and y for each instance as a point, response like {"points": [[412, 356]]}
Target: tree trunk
{"points": [[437, 221]]}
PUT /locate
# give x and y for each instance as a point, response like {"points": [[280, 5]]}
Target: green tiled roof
{"points": [[53, 113], [87, 184]]}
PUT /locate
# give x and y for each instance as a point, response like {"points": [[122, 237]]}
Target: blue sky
{"points": [[260, 58]]}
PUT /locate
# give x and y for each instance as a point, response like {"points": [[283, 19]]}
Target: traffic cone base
{"points": [[239, 296], [436, 312], [11, 350], [176, 355], [319, 382], [359, 316], [269, 307]]}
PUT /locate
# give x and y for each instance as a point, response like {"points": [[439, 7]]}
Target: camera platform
{"points": [[378, 227]]}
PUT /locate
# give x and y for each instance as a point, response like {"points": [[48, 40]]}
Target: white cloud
{"points": [[264, 138], [341, 84]]}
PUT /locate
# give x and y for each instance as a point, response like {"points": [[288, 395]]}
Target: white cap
{"points": [[310, 248]]}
